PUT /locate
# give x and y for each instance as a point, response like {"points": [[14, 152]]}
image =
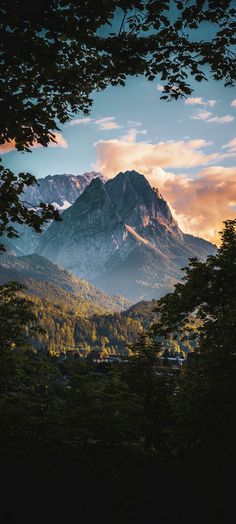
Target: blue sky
{"points": [[139, 101], [179, 146]]}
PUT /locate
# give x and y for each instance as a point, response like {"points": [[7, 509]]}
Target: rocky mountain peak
{"points": [[138, 203], [90, 175], [129, 180], [121, 236]]}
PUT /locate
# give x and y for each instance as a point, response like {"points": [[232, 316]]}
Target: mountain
{"points": [[121, 236], [48, 281], [59, 190]]}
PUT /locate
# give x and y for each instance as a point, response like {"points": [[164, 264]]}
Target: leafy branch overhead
{"points": [[55, 53]]}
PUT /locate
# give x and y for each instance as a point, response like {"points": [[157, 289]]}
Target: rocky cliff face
{"points": [[121, 236]]}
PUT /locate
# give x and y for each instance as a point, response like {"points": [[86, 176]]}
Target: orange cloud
{"points": [[7, 147], [114, 154], [200, 204]]}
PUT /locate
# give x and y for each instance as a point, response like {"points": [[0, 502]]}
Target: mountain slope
{"points": [[122, 237], [46, 280]]}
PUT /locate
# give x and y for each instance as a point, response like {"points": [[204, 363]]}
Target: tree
{"points": [[54, 54], [154, 391], [13, 209], [16, 314], [205, 399]]}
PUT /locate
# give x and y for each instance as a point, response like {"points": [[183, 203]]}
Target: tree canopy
{"points": [[55, 53]]}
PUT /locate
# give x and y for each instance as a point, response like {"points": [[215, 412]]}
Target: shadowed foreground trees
{"points": [[206, 398], [153, 444]]}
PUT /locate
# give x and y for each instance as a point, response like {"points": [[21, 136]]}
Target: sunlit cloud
{"points": [[194, 101], [80, 121], [233, 103], [132, 134], [116, 154], [221, 119], [60, 141], [107, 122], [200, 204], [7, 147], [202, 115], [231, 146], [208, 117], [174, 87], [200, 101]]}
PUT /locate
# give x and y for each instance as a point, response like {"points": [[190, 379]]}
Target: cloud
{"points": [[195, 101], [174, 87], [231, 146], [200, 101], [107, 122], [199, 203], [208, 117], [60, 142], [221, 120], [126, 153], [7, 147], [80, 121], [233, 103], [202, 115], [132, 135], [133, 123]]}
